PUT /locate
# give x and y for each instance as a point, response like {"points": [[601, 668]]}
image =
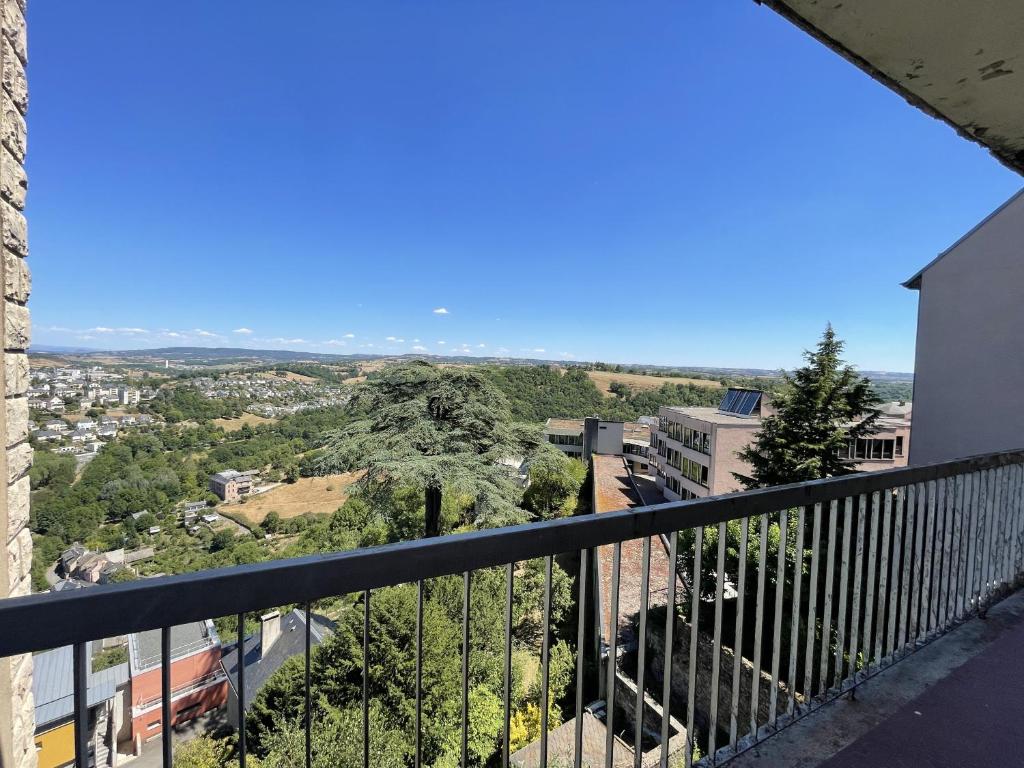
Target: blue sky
{"points": [[671, 183]]}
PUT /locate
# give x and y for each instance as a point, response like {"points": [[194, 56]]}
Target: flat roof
{"points": [[186, 639], [714, 416]]}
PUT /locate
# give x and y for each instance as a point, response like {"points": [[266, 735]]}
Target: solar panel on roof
{"points": [[747, 403], [728, 401]]}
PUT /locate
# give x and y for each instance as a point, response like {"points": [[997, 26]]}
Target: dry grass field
{"points": [[604, 379], [316, 495], [230, 425]]}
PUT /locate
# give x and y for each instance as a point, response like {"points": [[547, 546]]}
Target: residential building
{"points": [[969, 353], [280, 638], [127, 396], [230, 484], [608, 438], [53, 694], [198, 683]]}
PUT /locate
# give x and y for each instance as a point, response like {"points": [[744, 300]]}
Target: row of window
{"points": [[867, 448], [691, 438], [636, 450], [565, 439], [692, 470], [676, 486]]}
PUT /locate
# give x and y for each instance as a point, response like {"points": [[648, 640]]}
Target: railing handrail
{"points": [[37, 622]]}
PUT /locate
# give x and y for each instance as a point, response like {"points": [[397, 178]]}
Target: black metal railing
{"points": [[893, 559]]}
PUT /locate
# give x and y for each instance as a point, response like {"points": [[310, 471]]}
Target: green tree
{"points": [[439, 429], [555, 482], [820, 406]]}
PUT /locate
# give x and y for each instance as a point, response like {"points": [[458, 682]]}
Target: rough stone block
{"points": [[14, 79], [18, 506], [13, 180], [14, 27], [18, 330], [17, 419], [19, 459], [17, 278], [16, 373], [13, 131], [15, 229], [22, 588], [19, 556]]}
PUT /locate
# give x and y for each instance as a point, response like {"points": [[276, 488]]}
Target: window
{"points": [[899, 445]]}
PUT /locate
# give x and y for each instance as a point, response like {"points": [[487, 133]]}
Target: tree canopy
{"points": [[822, 405], [439, 429]]}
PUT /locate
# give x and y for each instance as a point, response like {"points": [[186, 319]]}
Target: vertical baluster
{"points": [[670, 627], [956, 588], [780, 586], [545, 663], [239, 685], [762, 565], [895, 588], [307, 719], [981, 503], [986, 537], [928, 555], [613, 658], [417, 755], [870, 611], [641, 651], [882, 504], [908, 561], [698, 549], [80, 663], [943, 539], [916, 567], [716, 645], [166, 722], [844, 587], [798, 578], [830, 567], [366, 679], [972, 496], [858, 576], [1011, 527], [581, 640], [737, 646], [465, 668], [794, 627], [812, 607], [1018, 527], [1002, 526]]}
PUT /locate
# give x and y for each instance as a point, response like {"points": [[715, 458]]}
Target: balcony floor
{"points": [[957, 702]]}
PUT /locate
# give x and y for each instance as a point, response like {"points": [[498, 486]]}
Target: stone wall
{"points": [[17, 723]]}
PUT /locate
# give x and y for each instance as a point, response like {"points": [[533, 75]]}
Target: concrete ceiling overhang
{"points": [[961, 61]]}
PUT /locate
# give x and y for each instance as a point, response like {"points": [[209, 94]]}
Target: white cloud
{"points": [[482, 346], [419, 348], [415, 341], [173, 335], [567, 354], [128, 331], [442, 343], [60, 329], [206, 334], [535, 349], [244, 331], [392, 338], [349, 336], [335, 343], [440, 311]]}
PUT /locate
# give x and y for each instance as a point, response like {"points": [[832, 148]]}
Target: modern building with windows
{"points": [[630, 439], [693, 451]]}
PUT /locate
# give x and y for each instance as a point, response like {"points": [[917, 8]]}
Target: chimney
{"points": [[270, 630]]}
